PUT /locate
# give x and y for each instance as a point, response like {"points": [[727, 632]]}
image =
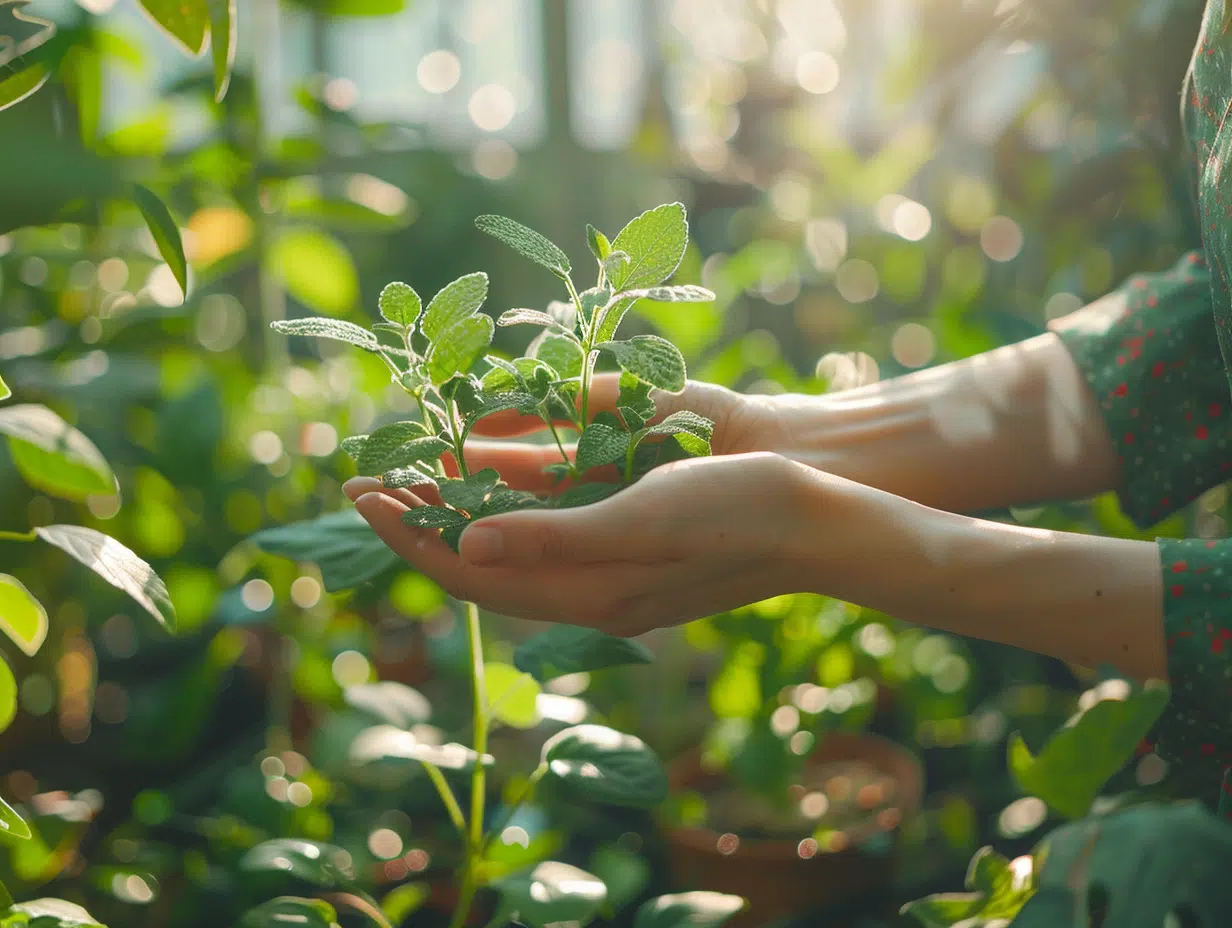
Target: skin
{"points": [[854, 495]]}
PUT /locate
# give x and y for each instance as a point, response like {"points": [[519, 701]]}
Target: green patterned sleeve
{"points": [[1150, 353]]}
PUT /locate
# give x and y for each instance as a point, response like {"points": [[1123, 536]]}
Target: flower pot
{"points": [[782, 877]]}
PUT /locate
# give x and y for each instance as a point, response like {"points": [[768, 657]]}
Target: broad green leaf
{"points": [[634, 403], [22, 617], [524, 373], [5, 392], [19, 78], [334, 329], [512, 695], [601, 444], [116, 564], [316, 269], [566, 649], [550, 894], [699, 909], [223, 40], [624, 873], [600, 247], [529, 317], [684, 421], [503, 499], [680, 293], [52, 455], [655, 242], [470, 493], [354, 7], [11, 823], [309, 862], [606, 766], [460, 347], [526, 242], [402, 902], [594, 300], [433, 517], [374, 460], [403, 477], [559, 352], [652, 359], [390, 702], [585, 494], [165, 231], [994, 896], [399, 303], [24, 83], [456, 301], [612, 318], [388, 742], [55, 913], [384, 440], [290, 912], [342, 544], [613, 263], [1082, 756], [8, 695], [186, 21]]}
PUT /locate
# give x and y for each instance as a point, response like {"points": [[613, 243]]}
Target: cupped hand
{"points": [[690, 539]]}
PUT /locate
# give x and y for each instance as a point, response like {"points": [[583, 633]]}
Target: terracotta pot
{"points": [[772, 874]]}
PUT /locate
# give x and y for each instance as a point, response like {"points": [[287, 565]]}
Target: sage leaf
{"points": [[52, 455], [691, 431], [506, 377], [373, 461], [566, 649], [650, 358], [551, 893], [390, 702], [22, 617], [562, 354], [526, 242], [612, 318], [698, 909], [456, 301], [342, 544], [529, 317], [52, 913], [287, 911], [460, 347], [334, 329], [433, 517], [385, 439], [387, 742], [599, 246], [594, 300], [655, 242], [600, 444], [186, 21], [634, 403], [513, 696], [503, 499], [223, 41], [680, 293], [116, 564], [499, 402], [404, 477], [603, 765], [11, 823], [469, 494], [400, 304], [585, 494], [165, 231]]}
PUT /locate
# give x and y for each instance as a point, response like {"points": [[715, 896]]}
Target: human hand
{"points": [[690, 539]]}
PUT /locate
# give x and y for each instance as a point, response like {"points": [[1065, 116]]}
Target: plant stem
{"points": [[455, 428], [588, 337], [447, 797], [475, 842], [512, 807], [18, 536]]}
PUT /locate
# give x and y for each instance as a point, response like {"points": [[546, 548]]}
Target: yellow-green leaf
{"points": [[52, 455], [186, 21], [5, 392], [22, 617], [8, 696], [11, 823], [222, 44], [513, 696], [165, 231], [316, 269], [19, 78]]}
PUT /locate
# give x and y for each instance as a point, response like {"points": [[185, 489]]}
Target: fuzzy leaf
{"points": [[52, 455], [390, 702], [22, 617], [600, 247], [650, 358], [499, 402], [417, 451], [460, 347], [699, 909], [550, 894], [613, 263], [562, 354], [594, 300], [655, 242], [503, 499], [165, 231], [333, 329], [223, 41], [601, 444], [680, 293], [529, 317], [403, 477], [585, 494], [469, 494], [342, 544], [526, 242], [522, 375], [566, 649], [456, 301], [370, 449], [603, 765], [634, 403], [612, 318], [116, 564], [433, 517], [684, 422], [400, 304]]}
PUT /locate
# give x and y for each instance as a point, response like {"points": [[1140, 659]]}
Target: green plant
{"points": [[436, 347]]}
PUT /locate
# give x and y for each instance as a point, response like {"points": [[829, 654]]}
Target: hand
{"points": [[690, 539]]}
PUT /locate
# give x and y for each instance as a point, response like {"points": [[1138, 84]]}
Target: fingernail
{"points": [[482, 544], [358, 486]]}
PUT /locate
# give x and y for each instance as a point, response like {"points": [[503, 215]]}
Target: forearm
{"points": [[1083, 599], [1013, 426]]}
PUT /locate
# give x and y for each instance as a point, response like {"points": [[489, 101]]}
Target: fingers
{"points": [[358, 486]]}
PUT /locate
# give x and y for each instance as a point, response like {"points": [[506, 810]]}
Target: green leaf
{"points": [[354, 7], [614, 263], [585, 494], [681, 293], [290, 912], [54, 913], [22, 617], [634, 403], [566, 649], [116, 564], [223, 40], [5, 392], [456, 301], [342, 544], [503, 499], [559, 352], [603, 765], [390, 702], [691, 431], [594, 300], [316, 269], [1082, 756], [400, 903], [308, 862], [655, 360], [624, 873], [499, 402], [52, 455], [375, 460], [518, 376], [550, 894], [8, 695], [387, 742], [526, 242], [529, 317], [19, 78], [404, 477], [186, 21], [600, 247], [612, 318], [469, 494], [995, 896], [334, 329], [434, 517], [688, 910], [460, 347], [600, 444], [384, 440], [399, 303], [11, 823], [655, 242], [512, 695], [24, 83]]}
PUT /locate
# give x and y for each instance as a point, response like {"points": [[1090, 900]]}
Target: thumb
{"points": [[541, 538]]}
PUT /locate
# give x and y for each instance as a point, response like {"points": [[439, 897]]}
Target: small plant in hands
{"points": [[430, 353]]}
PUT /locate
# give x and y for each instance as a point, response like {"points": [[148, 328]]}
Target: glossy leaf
{"points": [[22, 617], [8, 695], [54, 913], [995, 894], [599, 246], [688, 910], [52, 455], [333, 329], [566, 649], [342, 544], [116, 564], [165, 231], [400, 304], [625, 874], [655, 243], [309, 862], [460, 347], [390, 702], [386, 742], [551, 893], [512, 695], [456, 301], [652, 359], [12, 824], [186, 21], [20, 77], [223, 40], [290, 912], [316, 269], [526, 242], [5, 392], [603, 765]]}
